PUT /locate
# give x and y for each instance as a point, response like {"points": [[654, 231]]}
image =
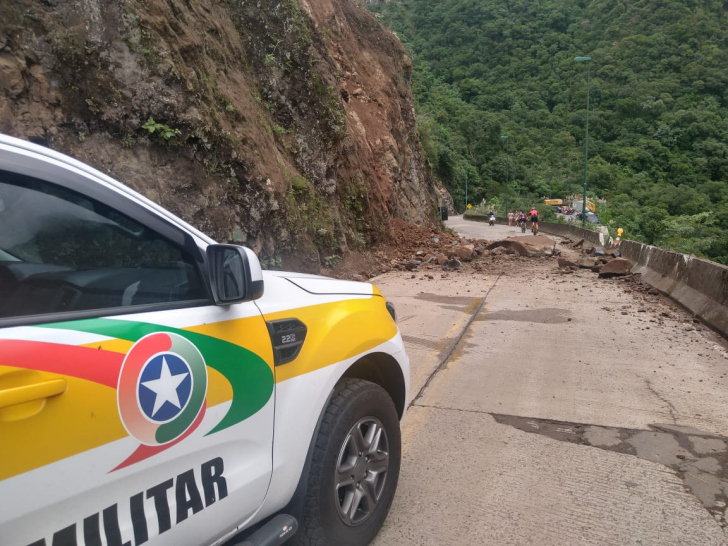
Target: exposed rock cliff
{"points": [[285, 125]]}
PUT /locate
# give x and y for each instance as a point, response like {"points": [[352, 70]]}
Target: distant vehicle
{"points": [[553, 202], [590, 206], [591, 218]]}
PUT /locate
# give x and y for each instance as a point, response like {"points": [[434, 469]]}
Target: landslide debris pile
{"points": [[416, 249], [286, 126]]}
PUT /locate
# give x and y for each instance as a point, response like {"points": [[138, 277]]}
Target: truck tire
{"points": [[354, 468]]}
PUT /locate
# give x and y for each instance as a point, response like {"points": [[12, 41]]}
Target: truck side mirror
{"points": [[235, 274]]}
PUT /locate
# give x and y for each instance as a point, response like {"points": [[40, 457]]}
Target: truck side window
{"points": [[60, 251]]}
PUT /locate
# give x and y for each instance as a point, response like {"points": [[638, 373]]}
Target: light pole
{"points": [[466, 188], [504, 138], [586, 139]]}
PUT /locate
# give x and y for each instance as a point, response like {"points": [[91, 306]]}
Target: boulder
{"points": [[563, 262], [451, 265], [465, 252], [613, 252], [512, 247], [616, 267], [441, 259]]}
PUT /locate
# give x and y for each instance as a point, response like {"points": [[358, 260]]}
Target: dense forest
{"points": [[658, 112]]}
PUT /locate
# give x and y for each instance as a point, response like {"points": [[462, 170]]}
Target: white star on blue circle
{"points": [[164, 388]]}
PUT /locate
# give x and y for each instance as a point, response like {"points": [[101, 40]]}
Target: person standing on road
{"points": [[510, 218]]}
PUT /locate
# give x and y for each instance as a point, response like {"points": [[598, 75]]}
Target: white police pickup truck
{"points": [[159, 388]]}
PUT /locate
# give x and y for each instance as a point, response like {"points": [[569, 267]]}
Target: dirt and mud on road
{"points": [[553, 406]]}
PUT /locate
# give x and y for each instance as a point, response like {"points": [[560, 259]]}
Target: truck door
{"points": [[132, 409]]}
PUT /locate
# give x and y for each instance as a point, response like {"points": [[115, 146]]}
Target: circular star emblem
{"points": [[162, 388]]}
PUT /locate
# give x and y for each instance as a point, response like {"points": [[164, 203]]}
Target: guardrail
{"points": [[699, 285]]}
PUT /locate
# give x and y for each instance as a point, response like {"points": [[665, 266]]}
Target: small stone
{"points": [[587, 263], [451, 265]]}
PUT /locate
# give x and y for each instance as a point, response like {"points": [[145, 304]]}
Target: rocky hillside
{"points": [[285, 125]]}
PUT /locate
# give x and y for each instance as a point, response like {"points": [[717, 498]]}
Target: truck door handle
{"points": [[28, 393]]}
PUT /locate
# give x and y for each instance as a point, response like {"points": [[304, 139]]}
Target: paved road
{"points": [[556, 409]]}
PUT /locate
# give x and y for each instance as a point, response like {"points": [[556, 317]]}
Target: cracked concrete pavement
{"points": [[556, 409]]}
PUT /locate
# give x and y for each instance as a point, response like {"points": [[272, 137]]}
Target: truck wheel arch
{"points": [[382, 369]]}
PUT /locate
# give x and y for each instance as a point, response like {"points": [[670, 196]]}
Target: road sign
{"points": [[470, 206]]}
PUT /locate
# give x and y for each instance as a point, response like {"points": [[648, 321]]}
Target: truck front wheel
{"points": [[354, 468]]}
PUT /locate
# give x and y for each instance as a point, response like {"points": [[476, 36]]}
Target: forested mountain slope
{"points": [[658, 127], [286, 125]]}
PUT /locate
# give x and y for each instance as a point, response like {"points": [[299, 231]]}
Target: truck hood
{"points": [[316, 284]]}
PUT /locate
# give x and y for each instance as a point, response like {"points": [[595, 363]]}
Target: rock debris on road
{"points": [[545, 407]]}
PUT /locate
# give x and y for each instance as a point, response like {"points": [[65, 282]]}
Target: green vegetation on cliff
{"points": [[658, 120]]}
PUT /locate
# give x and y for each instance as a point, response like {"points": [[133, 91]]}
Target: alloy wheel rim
{"points": [[361, 471]]}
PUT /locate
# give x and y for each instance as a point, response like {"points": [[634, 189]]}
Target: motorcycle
{"points": [[491, 220]]}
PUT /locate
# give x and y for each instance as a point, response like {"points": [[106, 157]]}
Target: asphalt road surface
{"points": [[552, 409]]}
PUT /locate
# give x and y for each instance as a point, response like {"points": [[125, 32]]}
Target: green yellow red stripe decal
{"points": [[249, 375]]}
